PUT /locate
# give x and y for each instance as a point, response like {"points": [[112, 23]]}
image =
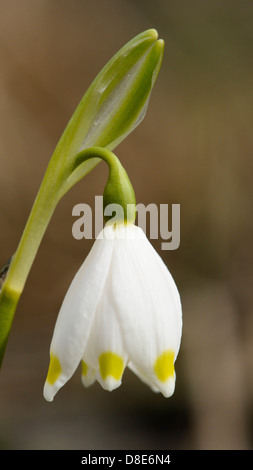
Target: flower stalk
{"points": [[112, 107], [118, 190]]}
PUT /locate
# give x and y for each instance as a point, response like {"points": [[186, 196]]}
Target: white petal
{"points": [[105, 351], [76, 315], [147, 376], [88, 375], [149, 309], [141, 375]]}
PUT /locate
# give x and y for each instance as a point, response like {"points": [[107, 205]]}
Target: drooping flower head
{"points": [[122, 309]]}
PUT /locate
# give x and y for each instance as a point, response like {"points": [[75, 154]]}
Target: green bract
{"points": [[116, 101], [112, 107]]}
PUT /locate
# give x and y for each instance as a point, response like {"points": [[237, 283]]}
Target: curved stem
{"points": [[95, 153], [118, 189]]}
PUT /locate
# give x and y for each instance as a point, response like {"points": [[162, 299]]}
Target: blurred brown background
{"points": [[198, 132]]}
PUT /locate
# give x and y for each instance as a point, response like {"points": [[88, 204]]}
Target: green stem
{"points": [[23, 258]]}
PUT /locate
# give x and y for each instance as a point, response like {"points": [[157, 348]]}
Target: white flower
{"points": [[122, 309]]}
